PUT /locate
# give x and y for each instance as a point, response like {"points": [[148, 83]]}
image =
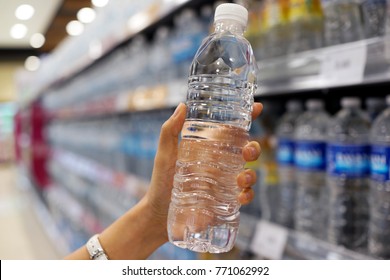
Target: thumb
{"points": [[167, 148]]}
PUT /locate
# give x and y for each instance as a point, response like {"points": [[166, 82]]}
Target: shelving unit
{"points": [[354, 64], [283, 243]]}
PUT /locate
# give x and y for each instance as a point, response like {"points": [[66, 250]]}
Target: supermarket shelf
{"points": [[157, 11], [356, 63], [43, 213], [130, 184], [268, 240], [158, 97]]}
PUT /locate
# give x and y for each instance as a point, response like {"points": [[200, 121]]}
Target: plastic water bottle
{"points": [[374, 17], [285, 158], [375, 106], [306, 25], [310, 162], [343, 21], [379, 223], [348, 172], [204, 210]]}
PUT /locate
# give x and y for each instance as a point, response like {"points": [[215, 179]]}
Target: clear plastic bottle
{"points": [[204, 210], [188, 35], [285, 158], [343, 21], [374, 17], [379, 222], [306, 25], [348, 171], [310, 163], [375, 106], [278, 33]]}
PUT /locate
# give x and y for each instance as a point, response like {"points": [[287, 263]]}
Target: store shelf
{"points": [[142, 99], [150, 15], [130, 184], [356, 63], [43, 214], [268, 240]]}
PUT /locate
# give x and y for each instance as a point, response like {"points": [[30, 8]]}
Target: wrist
{"points": [[136, 235]]}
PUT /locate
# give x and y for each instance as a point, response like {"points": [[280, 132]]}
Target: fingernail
{"points": [[248, 178], [253, 152]]}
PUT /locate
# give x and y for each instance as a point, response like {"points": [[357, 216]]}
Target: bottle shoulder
{"points": [[380, 131]]}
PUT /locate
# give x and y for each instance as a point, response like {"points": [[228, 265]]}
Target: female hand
{"points": [[143, 228]]}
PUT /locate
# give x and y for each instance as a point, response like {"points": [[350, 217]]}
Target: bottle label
{"points": [[310, 155], [380, 163], [285, 152], [352, 161]]}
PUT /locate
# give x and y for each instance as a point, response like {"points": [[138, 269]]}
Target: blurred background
{"points": [[86, 85]]}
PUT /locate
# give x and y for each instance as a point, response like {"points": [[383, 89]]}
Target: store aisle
{"points": [[21, 233]]}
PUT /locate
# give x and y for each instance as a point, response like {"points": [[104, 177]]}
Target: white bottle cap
{"points": [[348, 102], [231, 11]]}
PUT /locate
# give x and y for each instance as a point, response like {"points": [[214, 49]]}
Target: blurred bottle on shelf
{"points": [[160, 57], [343, 21], [306, 25], [188, 34], [374, 17], [255, 32], [375, 106], [379, 222], [204, 211], [348, 170], [285, 158], [277, 36], [310, 162]]}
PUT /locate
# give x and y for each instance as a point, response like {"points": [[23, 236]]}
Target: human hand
{"points": [[142, 229], [159, 193]]}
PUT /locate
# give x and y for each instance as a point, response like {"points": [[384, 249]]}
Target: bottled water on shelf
{"points": [[343, 21], [189, 32], [204, 210], [379, 223], [375, 106], [310, 162], [306, 25], [348, 171], [285, 158], [374, 17]]}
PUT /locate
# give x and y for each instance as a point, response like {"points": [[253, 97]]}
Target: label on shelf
{"points": [[344, 66], [269, 240]]}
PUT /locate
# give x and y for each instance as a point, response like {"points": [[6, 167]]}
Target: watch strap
{"points": [[95, 249]]}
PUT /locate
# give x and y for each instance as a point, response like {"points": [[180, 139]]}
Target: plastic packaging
{"points": [[204, 210], [379, 223], [286, 169], [310, 162], [348, 171]]}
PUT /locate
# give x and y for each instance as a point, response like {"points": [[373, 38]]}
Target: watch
{"points": [[95, 249]]}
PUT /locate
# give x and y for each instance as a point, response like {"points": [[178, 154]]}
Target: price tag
{"points": [[269, 240], [344, 66]]}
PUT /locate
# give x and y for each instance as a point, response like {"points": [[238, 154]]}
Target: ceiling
{"points": [[50, 19]]}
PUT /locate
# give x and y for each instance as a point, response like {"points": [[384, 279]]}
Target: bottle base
{"points": [[215, 240]]}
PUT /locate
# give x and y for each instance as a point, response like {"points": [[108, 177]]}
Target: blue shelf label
{"points": [[310, 155], [352, 161], [285, 152], [380, 163]]}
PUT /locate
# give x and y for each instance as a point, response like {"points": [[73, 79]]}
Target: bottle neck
{"points": [[231, 26]]}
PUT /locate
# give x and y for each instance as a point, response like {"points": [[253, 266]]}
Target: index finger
{"points": [[257, 109]]}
